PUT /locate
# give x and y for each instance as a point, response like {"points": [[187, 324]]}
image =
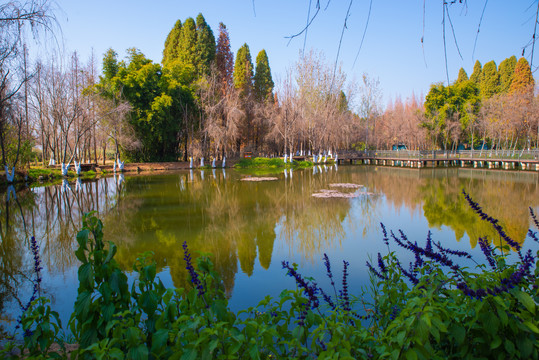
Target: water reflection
{"points": [[52, 215], [244, 224]]}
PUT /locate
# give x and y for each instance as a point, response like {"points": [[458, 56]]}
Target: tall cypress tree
{"points": [[522, 78], [170, 52], [462, 76], [224, 60], [263, 83], [243, 71], [187, 43], [476, 74], [506, 70], [205, 46], [490, 80]]}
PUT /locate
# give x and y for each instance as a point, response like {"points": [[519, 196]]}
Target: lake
{"points": [[249, 228]]}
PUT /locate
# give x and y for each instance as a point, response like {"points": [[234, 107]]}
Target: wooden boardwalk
{"points": [[522, 160]]}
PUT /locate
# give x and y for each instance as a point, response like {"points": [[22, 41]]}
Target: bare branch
{"points": [[364, 33], [479, 28]]}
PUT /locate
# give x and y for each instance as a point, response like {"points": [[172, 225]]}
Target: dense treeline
{"points": [[204, 101], [496, 105]]}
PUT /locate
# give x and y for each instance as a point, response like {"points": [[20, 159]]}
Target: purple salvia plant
{"points": [[375, 272], [309, 289], [534, 218], [533, 235], [345, 297], [487, 250], [34, 247], [494, 222], [190, 268]]}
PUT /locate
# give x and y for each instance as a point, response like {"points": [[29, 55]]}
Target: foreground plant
{"points": [[432, 308]]}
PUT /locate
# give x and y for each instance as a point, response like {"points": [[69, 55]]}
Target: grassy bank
{"points": [[271, 163]]}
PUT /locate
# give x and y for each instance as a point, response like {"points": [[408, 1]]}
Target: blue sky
{"points": [[391, 52]]}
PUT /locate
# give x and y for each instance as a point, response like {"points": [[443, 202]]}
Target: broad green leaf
{"points": [[82, 304], [132, 336], [532, 327], [410, 354], [159, 340], [509, 346], [496, 343], [112, 251], [86, 275], [525, 300], [138, 353], [189, 354]]}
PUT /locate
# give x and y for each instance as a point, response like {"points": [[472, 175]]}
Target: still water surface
{"points": [[250, 227]]}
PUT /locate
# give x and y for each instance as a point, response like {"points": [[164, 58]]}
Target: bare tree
{"points": [[17, 19], [285, 115], [222, 115], [369, 106]]}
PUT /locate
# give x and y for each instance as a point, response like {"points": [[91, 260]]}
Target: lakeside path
{"points": [[160, 166]]}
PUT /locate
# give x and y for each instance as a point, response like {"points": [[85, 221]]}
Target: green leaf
{"points": [[82, 304], [532, 327], [213, 345], [116, 354], [496, 343], [112, 251], [458, 333], [509, 346], [108, 311], [86, 276], [138, 353], [410, 354], [132, 336], [82, 238], [189, 354], [149, 272], [148, 302], [80, 253], [525, 300], [159, 340], [253, 352]]}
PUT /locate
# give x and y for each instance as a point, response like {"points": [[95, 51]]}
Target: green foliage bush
{"points": [[433, 309]]}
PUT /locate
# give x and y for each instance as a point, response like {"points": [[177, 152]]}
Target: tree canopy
{"points": [[263, 83]]}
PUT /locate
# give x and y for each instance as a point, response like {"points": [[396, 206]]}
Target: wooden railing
{"points": [[459, 154]]}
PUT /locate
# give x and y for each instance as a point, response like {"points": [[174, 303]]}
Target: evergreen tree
{"points": [[187, 43], [224, 59], [342, 102], [110, 65], [462, 76], [476, 74], [205, 46], [522, 78], [506, 70], [243, 71], [170, 52], [263, 83], [490, 80]]}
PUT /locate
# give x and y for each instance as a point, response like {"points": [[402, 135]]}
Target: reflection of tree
{"points": [[233, 220], [445, 205], [440, 193], [53, 215], [12, 261]]}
